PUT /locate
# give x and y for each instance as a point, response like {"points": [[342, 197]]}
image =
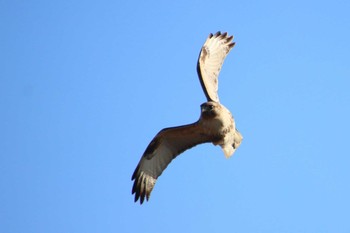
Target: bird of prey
{"points": [[215, 124]]}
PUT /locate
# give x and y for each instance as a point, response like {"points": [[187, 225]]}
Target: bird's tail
{"points": [[237, 140], [230, 149]]}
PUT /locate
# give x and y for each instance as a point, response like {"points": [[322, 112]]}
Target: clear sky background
{"points": [[85, 85]]}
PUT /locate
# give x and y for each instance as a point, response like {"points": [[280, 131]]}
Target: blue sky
{"points": [[85, 85]]}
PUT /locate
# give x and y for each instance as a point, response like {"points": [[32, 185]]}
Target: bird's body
{"points": [[221, 126], [215, 124], [218, 127]]}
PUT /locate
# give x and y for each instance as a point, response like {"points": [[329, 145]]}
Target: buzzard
{"points": [[215, 124]]}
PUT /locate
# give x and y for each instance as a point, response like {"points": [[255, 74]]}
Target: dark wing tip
{"points": [[137, 190], [218, 33], [133, 177], [143, 185], [223, 35], [232, 45], [229, 38]]}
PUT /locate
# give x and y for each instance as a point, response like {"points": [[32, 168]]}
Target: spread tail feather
{"points": [[230, 149]]}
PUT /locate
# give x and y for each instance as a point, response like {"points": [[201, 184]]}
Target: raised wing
{"points": [[164, 147], [211, 58]]}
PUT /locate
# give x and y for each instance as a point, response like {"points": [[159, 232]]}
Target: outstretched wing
{"points": [[211, 58], [164, 147]]}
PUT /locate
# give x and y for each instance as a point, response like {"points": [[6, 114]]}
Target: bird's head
{"points": [[210, 109]]}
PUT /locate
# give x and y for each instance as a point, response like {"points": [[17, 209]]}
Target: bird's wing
{"points": [[211, 58], [164, 147]]}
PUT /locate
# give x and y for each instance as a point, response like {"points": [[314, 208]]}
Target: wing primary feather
{"points": [[228, 39], [223, 35], [231, 45], [135, 172]]}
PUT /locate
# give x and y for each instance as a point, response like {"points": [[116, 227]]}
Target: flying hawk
{"points": [[215, 124]]}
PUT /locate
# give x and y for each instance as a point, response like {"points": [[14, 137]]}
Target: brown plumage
{"points": [[215, 125]]}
